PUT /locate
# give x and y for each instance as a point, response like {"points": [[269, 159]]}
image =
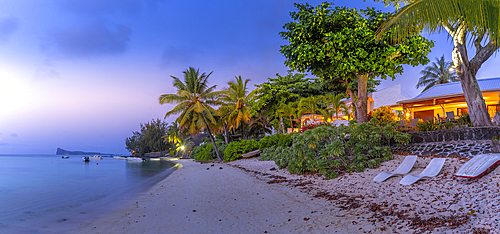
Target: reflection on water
{"points": [[35, 190]]}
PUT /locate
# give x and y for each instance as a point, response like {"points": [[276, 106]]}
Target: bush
{"points": [[383, 115], [331, 150], [433, 125], [275, 140], [235, 149], [206, 152]]}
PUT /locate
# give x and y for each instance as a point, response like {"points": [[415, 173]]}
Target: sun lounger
{"points": [[478, 166], [403, 168], [430, 171]]}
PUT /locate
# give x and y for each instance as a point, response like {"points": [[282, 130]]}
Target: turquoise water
{"points": [[48, 194]]}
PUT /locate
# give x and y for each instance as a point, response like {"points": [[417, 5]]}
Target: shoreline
{"points": [[246, 196]]}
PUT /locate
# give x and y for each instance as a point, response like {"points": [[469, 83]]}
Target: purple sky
{"points": [[82, 75]]}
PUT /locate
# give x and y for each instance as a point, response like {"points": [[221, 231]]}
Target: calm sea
{"points": [[48, 194]]}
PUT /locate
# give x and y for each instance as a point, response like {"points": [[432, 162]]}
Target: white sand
{"points": [[233, 200]]}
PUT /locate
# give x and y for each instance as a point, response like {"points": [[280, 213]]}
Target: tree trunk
{"points": [[353, 97], [467, 70], [212, 138], [361, 103], [226, 132]]}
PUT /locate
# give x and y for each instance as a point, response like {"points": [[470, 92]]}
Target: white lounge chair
{"points": [[430, 171], [403, 168], [478, 166]]}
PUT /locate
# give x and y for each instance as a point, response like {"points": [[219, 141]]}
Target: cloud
{"points": [[90, 41], [13, 134], [7, 26]]}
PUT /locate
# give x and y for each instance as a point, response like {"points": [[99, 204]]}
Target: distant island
{"points": [[66, 152]]}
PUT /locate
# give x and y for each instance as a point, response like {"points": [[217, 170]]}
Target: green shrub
{"points": [[235, 149], [332, 150], [206, 152], [275, 140], [383, 114]]}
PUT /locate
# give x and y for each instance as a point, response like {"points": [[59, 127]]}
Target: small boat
{"points": [[119, 157], [479, 165], [96, 157], [65, 156], [86, 159], [131, 159]]}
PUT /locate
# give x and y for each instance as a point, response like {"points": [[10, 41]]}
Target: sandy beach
{"points": [[247, 196]]}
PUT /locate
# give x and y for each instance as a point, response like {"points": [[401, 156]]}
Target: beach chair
{"points": [[413, 123], [403, 168], [478, 166], [450, 116], [430, 171]]}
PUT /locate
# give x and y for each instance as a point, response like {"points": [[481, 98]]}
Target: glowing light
{"points": [[182, 147]]}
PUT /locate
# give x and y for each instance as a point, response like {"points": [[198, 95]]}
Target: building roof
{"points": [[388, 96], [454, 89]]}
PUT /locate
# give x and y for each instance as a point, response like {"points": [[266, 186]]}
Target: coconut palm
{"points": [[287, 110], [474, 21], [310, 105], [440, 72], [260, 121], [335, 103], [194, 101], [236, 103]]}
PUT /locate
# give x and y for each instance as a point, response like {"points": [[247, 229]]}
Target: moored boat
{"points": [[86, 159]]}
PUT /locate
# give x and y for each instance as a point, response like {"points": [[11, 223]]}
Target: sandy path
{"points": [[229, 200]]}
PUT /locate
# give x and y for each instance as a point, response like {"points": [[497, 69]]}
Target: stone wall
{"points": [[465, 149], [463, 142], [459, 134]]}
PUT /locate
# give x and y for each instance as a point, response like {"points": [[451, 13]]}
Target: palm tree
{"points": [[236, 103], [194, 101], [309, 105], [335, 103], [474, 21], [440, 72], [287, 110], [260, 121]]}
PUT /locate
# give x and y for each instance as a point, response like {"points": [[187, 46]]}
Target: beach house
{"points": [[440, 99]]}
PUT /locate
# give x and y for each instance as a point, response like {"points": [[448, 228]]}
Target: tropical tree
{"points": [[194, 99], [149, 138], [287, 110], [174, 136], [339, 43], [440, 72], [310, 105], [335, 103], [236, 103], [270, 95], [475, 21], [261, 122]]}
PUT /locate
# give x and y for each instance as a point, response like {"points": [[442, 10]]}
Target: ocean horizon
{"points": [[49, 194]]}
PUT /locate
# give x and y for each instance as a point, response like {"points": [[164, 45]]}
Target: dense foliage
{"points": [[433, 125], [149, 138], [282, 90], [339, 43], [206, 152], [383, 114], [331, 150], [235, 149], [275, 140]]}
